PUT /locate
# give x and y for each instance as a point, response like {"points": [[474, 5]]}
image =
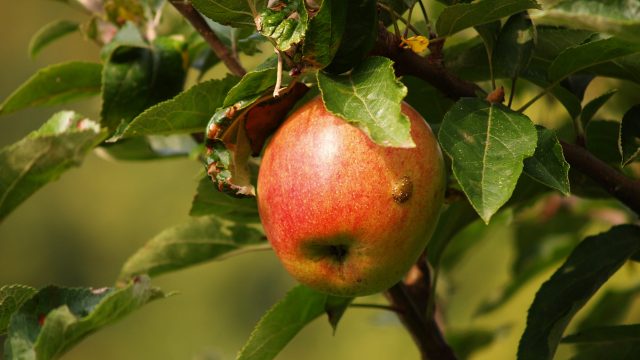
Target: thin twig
{"points": [[199, 23], [426, 17], [395, 16]]}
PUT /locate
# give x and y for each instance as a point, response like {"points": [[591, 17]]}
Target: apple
{"points": [[346, 216]]}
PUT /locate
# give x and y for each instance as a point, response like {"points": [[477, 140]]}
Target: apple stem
{"points": [[411, 298]]}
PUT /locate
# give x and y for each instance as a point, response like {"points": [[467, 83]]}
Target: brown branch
{"points": [[187, 10], [409, 63], [411, 298], [621, 187]]}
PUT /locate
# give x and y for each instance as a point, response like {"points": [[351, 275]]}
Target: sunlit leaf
{"points": [[580, 57], [620, 17], [188, 112], [11, 298], [41, 157], [487, 144], [194, 242], [284, 25], [55, 319], [55, 84], [461, 16], [589, 266], [50, 33], [369, 97], [230, 12], [284, 320]]}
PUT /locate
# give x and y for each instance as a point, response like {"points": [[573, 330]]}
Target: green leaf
{"points": [[253, 85], [286, 25], [594, 105], [515, 45], [41, 157], [196, 241], [324, 33], [236, 132], [148, 148], [606, 334], [55, 84], [589, 266], [580, 57], [547, 165], [487, 144], [136, 78], [426, 99], [50, 33], [284, 320], [606, 342], [234, 13], [56, 319], [11, 298], [359, 36], [602, 140], [619, 17], [629, 139], [611, 309], [210, 201], [188, 112], [461, 16], [369, 97], [489, 33]]}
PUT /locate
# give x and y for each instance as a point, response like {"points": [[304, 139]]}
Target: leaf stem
{"points": [[396, 16], [538, 96], [425, 16], [186, 9]]}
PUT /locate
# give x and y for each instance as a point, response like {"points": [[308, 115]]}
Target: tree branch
{"points": [[198, 22], [409, 63], [621, 187], [411, 298]]}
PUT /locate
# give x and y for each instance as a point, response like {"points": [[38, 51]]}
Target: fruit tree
{"points": [[468, 171]]}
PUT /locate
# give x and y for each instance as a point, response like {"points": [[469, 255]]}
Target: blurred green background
{"points": [[79, 230]]}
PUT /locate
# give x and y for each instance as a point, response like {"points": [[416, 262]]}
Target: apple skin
{"points": [[345, 216]]}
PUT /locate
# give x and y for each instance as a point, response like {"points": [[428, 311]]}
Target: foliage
{"points": [[511, 167]]}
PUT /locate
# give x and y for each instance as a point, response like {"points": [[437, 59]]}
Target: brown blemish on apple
{"points": [[402, 190]]}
